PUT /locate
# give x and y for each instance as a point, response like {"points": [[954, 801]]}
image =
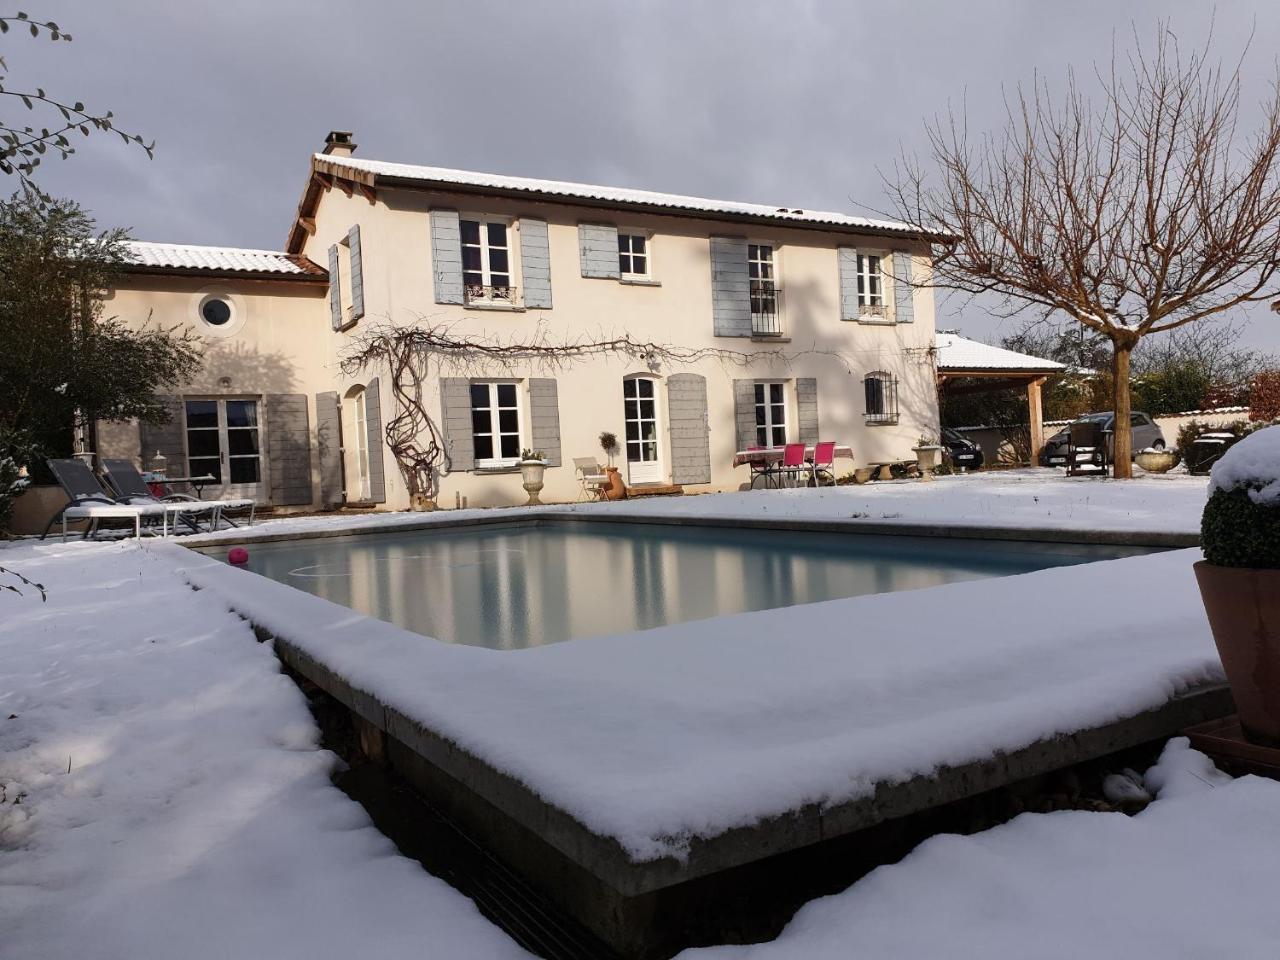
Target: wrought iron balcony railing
{"points": [[487, 293], [766, 309]]}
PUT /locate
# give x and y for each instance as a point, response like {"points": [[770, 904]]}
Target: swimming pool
{"points": [[525, 584]]}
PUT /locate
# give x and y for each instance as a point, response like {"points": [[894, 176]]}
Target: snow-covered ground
{"points": [[1039, 498], [1192, 876], [162, 794]]}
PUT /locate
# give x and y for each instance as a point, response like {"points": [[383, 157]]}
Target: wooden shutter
{"points": [[373, 424], [730, 288], [357, 274], [687, 419], [598, 250], [446, 256], [535, 263], [455, 404], [335, 290], [904, 308], [544, 411], [288, 448], [807, 409], [744, 412], [329, 447], [848, 258], [168, 439]]}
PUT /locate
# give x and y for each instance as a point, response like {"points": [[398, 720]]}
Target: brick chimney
{"points": [[339, 143]]}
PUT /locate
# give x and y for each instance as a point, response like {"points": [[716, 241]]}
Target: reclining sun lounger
{"points": [[88, 501], [130, 487]]}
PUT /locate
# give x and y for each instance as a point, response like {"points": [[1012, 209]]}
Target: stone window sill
{"points": [[501, 307], [495, 469], [640, 282]]}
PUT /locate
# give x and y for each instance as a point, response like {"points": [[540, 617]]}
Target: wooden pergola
{"points": [[988, 369]]}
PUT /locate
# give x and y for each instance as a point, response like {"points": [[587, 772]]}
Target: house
{"points": [[789, 325]]}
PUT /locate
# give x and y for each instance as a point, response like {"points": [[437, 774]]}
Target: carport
{"points": [[967, 366]]}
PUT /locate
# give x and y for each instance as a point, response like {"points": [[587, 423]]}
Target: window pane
{"points": [[646, 387], [497, 234], [470, 231], [633, 430], [637, 244], [775, 392], [510, 447], [628, 388], [484, 448], [760, 393], [507, 394], [242, 442], [500, 282], [762, 437], [624, 263], [202, 443], [779, 436], [205, 466], [202, 413], [639, 264], [762, 416], [470, 258], [508, 421], [480, 421], [498, 261], [646, 409], [633, 451], [242, 413], [244, 469], [479, 396]]}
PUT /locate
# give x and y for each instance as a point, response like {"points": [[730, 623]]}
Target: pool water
{"points": [[526, 584]]}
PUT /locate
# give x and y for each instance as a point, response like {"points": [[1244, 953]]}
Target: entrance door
{"points": [[639, 401], [224, 441]]}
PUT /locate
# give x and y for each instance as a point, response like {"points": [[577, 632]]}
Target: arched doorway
{"points": [[355, 448]]}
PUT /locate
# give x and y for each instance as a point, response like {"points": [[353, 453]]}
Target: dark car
{"points": [[962, 451], [1145, 433]]}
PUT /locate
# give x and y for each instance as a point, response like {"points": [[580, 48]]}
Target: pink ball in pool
{"points": [[238, 556]]}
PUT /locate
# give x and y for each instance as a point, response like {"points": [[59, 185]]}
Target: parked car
{"points": [[1144, 431], [962, 451]]}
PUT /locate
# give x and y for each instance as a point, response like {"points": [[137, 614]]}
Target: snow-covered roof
{"points": [[590, 192], [183, 257], [960, 353]]}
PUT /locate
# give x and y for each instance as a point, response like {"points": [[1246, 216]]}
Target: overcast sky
{"points": [[776, 102]]}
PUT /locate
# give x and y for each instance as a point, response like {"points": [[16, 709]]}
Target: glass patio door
{"points": [[639, 401], [224, 442]]}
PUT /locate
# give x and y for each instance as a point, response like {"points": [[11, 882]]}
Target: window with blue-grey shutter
{"points": [[730, 287], [335, 290], [329, 447], [535, 263], [807, 409], [544, 415], [446, 256], [848, 260], [288, 448], [598, 250], [687, 425], [744, 413], [904, 308], [357, 274], [455, 403], [373, 424]]}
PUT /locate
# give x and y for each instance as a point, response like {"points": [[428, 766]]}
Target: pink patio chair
{"points": [[793, 461], [759, 469], [824, 463]]}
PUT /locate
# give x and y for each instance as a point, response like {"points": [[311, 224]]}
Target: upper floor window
{"points": [[486, 260], [633, 256], [764, 289], [881, 391], [495, 423], [771, 414], [870, 285]]}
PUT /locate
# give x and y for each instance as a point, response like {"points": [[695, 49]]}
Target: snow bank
{"points": [[162, 794], [1254, 464], [695, 728], [1193, 875]]}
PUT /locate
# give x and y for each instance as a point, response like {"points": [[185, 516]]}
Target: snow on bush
{"points": [[1253, 464], [1241, 522]]}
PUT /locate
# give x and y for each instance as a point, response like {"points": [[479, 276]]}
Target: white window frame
{"points": [[630, 235], [772, 262], [495, 431], [764, 389], [486, 268], [874, 305]]}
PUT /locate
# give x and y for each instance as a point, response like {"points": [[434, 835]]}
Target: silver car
{"points": [[1145, 432]]}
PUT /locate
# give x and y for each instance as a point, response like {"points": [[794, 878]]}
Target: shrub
{"points": [[1241, 522], [1264, 396], [1191, 432]]}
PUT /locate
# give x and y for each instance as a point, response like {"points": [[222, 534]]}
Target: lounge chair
{"points": [[89, 501], [130, 487]]}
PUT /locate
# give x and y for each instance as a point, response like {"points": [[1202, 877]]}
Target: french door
{"points": [[224, 441], [640, 407]]}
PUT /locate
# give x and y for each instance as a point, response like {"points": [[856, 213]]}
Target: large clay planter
{"points": [[616, 489], [1156, 461], [1243, 605]]}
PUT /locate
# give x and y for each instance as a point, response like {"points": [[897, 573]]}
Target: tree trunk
{"points": [[1122, 438]]}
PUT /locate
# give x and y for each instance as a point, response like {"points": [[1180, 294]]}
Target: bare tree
{"points": [[1146, 211]]}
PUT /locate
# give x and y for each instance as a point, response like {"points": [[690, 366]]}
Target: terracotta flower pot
{"points": [[616, 490], [1243, 605]]}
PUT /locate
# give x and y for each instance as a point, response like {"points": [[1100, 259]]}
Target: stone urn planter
{"points": [[1156, 461], [531, 478], [615, 489], [1239, 578], [928, 456]]}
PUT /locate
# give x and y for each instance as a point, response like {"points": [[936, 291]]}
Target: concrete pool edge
{"points": [[1171, 539]]}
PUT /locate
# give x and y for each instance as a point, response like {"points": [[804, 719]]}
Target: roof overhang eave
{"points": [[139, 269]]}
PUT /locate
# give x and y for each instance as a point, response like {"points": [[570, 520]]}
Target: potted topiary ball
{"points": [[1239, 577]]}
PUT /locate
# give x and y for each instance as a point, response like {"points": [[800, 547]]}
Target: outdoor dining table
{"points": [[771, 457], [159, 479]]}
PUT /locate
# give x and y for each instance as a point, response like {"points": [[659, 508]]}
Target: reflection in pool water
{"points": [[523, 585]]}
